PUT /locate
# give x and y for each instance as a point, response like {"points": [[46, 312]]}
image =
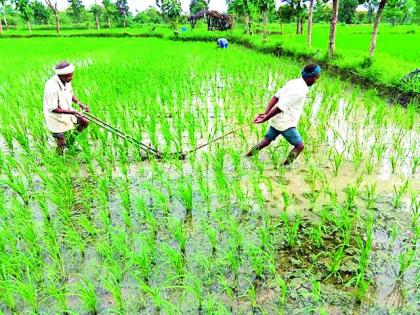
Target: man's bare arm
{"points": [[270, 105]]}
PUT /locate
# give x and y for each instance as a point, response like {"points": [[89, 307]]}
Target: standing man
{"points": [[222, 43], [284, 111], [60, 117]]}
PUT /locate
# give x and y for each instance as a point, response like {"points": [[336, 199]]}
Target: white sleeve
{"points": [[50, 99]]}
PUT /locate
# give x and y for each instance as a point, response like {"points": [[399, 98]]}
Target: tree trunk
{"points": [[376, 26], [247, 28], [29, 26], [265, 18], [334, 19], [57, 22], [5, 20], [109, 22], [310, 14], [124, 24], [1, 27], [299, 25], [98, 26]]}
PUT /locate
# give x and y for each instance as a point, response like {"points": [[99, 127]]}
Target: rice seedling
{"points": [[86, 291]]}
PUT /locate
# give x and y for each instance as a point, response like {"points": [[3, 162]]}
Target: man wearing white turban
{"points": [[60, 116]]}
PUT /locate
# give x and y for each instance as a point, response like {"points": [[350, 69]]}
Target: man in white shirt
{"points": [[284, 117], [60, 116]]}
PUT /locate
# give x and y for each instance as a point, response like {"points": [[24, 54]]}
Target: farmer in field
{"points": [[284, 111], [222, 43], [60, 117]]}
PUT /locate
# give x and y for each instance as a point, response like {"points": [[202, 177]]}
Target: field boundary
{"points": [[392, 92]]}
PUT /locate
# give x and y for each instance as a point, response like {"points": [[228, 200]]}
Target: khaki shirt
{"points": [[292, 97], [58, 95]]}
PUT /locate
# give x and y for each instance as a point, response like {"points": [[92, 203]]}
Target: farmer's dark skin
{"points": [[272, 111]]}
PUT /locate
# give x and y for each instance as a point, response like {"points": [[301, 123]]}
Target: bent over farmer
{"points": [[284, 111], [60, 116], [222, 43]]}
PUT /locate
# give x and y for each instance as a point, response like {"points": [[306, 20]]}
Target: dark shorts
{"points": [[59, 135], [291, 135]]}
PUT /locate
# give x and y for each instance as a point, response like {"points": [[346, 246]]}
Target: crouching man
{"points": [[60, 116]]}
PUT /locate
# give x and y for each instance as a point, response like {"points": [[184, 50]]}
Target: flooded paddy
{"points": [[102, 231]]}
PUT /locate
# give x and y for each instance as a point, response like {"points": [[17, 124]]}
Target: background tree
{"points": [[376, 26], [171, 11], [310, 15], [333, 25], [198, 5], [123, 10], [96, 10], [3, 9], [322, 12], [399, 11], [25, 10], [150, 15], [371, 6], [109, 11], [243, 9], [76, 9], [265, 6], [347, 11], [298, 8], [54, 9], [41, 12]]}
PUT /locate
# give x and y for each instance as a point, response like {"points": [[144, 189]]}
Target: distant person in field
{"points": [[60, 116], [222, 43], [284, 111]]}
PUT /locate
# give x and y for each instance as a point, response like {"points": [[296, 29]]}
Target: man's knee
{"points": [[299, 147]]}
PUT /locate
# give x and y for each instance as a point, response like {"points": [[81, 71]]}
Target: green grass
{"points": [[102, 231]]}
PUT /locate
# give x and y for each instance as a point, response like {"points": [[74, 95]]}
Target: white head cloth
{"points": [[67, 70]]}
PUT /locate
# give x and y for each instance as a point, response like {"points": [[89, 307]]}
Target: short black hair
{"points": [[310, 68], [62, 65]]}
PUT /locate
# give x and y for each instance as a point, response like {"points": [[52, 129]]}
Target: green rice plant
{"points": [[357, 155], [142, 260], [415, 207], [178, 231], [159, 301], [316, 233], [291, 229], [282, 295], [406, 258], [256, 257], [398, 194], [336, 162], [185, 194], [336, 257], [234, 262], [147, 216], [211, 233], [195, 286], [175, 260], [86, 291], [112, 283], [252, 294], [371, 195]]}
